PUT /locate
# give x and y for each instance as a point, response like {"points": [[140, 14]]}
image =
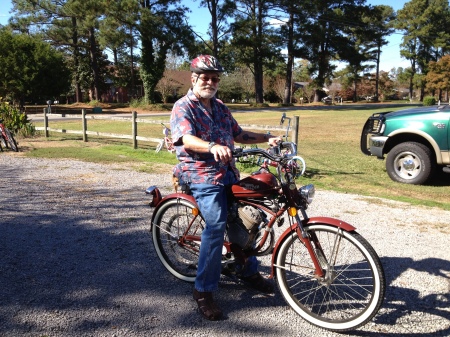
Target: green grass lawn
{"points": [[328, 141]]}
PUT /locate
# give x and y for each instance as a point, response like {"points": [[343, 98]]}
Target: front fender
{"points": [[172, 196], [314, 220], [330, 221]]}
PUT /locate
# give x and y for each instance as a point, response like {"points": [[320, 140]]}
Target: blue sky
{"points": [[390, 56]]}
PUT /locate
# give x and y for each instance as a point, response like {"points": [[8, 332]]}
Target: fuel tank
{"points": [[258, 185]]}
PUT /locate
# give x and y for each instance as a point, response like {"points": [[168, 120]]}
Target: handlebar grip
{"points": [[238, 152]]}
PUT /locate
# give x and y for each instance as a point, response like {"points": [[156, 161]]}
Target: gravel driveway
{"points": [[77, 260]]}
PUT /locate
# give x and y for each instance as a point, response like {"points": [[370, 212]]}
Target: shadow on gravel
{"points": [[400, 301]]}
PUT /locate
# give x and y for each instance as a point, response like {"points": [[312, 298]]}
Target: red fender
{"points": [[314, 220], [182, 196]]}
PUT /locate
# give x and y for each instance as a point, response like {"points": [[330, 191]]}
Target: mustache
{"points": [[207, 86]]}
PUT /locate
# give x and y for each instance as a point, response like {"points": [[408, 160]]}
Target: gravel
{"points": [[77, 260]]}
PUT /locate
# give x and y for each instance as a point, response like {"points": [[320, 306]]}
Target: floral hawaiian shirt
{"points": [[190, 117]]}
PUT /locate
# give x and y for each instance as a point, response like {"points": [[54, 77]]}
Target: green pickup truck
{"points": [[416, 142]]}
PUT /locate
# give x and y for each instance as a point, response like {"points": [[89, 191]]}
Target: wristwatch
{"points": [[210, 145]]}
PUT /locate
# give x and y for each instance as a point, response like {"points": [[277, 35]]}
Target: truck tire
{"points": [[410, 163]]}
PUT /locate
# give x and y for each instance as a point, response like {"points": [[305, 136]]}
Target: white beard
{"points": [[204, 93]]}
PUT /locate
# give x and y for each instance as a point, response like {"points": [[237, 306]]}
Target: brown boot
{"points": [[206, 305], [258, 282]]}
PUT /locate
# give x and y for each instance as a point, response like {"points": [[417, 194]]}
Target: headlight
{"points": [[307, 193]]}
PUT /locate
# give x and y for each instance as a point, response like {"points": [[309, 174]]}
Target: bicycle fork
{"points": [[313, 253]]}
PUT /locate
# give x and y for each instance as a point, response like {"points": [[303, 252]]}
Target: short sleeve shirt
{"points": [[189, 117]]}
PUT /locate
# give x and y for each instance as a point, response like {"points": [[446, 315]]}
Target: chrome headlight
{"points": [[307, 193]]}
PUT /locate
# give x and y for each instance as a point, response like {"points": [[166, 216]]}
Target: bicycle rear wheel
{"points": [[159, 146], [176, 233], [352, 290], [11, 141], [2, 142]]}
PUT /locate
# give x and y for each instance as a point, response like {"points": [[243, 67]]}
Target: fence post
{"points": [[134, 129], [83, 118], [45, 122], [295, 129]]}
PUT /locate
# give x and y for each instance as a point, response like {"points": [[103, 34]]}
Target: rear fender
{"points": [[156, 195], [179, 196], [314, 220]]}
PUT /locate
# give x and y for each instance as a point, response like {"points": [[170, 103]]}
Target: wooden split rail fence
{"points": [[134, 130], [85, 132]]}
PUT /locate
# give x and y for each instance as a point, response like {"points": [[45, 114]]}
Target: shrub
{"points": [[17, 122], [142, 104], [259, 105], [429, 100]]}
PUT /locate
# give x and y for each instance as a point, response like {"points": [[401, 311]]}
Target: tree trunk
{"points": [[133, 88], [214, 28], [290, 61], [94, 65], [76, 60], [259, 88], [377, 75]]}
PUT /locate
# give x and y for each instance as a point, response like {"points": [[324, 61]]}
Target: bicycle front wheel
{"points": [[352, 290], [176, 233], [11, 141]]}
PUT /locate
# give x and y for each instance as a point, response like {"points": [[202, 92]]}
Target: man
{"points": [[204, 132]]}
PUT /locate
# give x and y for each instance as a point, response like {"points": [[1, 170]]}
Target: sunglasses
{"points": [[207, 79]]}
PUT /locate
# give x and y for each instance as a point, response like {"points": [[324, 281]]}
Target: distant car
{"points": [[329, 99], [416, 142]]}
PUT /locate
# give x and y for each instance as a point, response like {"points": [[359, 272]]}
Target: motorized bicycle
{"points": [[328, 273]]}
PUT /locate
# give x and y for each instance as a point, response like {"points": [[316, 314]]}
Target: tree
{"points": [[70, 25], [379, 21], [231, 87], [386, 85], [426, 27], [161, 29], [30, 69], [438, 77], [218, 27], [325, 36], [290, 36], [254, 41]]}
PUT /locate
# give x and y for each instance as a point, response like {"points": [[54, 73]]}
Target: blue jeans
{"points": [[212, 202]]}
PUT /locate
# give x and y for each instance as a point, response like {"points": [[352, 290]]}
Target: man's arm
{"points": [[195, 144], [249, 137]]}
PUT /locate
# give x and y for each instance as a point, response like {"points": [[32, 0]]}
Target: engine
{"points": [[243, 224]]}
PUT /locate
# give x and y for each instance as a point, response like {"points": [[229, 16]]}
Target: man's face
{"points": [[205, 85]]}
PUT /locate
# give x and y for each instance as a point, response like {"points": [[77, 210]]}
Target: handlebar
{"points": [[273, 154]]}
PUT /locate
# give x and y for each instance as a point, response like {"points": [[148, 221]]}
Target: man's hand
{"points": [[222, 153], [274, 141]]}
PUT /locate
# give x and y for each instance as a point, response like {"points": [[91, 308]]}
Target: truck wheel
{"points": [[410, 163]]}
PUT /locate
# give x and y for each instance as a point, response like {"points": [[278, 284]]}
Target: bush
{"points": [[259, 105], [17, 122], [141, 103], [429, 100]]}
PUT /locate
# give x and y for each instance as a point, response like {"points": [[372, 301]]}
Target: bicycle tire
{"points": [[3, 142], [11, 141], [173, 221], [159, 146], [351, 296]]}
